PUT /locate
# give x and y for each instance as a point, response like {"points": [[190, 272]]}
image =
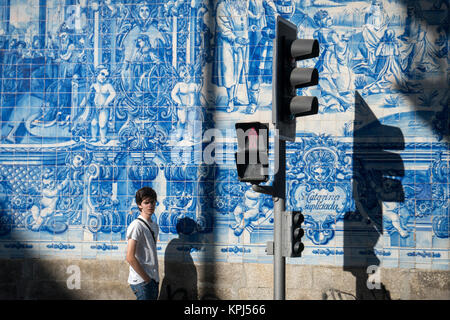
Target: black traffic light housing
{"points": [[292, 233], [252, 156], [286, 78]]}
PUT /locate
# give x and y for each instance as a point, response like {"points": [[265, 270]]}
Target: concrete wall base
{"points": [[107, 279]]}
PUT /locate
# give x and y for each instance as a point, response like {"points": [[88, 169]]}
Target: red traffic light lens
{"points": [[253, 139]]}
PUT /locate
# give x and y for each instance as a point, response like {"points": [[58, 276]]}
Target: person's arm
{"points": [[134, 263]]}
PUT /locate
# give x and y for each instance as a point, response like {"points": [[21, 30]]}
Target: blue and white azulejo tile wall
{"points": [[99, 98]]}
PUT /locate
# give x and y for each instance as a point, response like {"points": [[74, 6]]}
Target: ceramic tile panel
{"points": [[99, 98]]}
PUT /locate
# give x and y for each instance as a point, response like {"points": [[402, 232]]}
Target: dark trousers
{"points": [[146, 291]]}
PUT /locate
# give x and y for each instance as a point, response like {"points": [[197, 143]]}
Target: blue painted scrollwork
{"points": [[142, 170], [102, 213], [441, 196], [142, 134], [319, 185]]}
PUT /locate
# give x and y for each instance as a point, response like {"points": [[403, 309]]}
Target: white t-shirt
{"points": [[145, 250]]}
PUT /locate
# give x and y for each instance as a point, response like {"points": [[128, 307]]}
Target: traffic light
{"points": [[292, 233], [286, 78], [252, 157]]}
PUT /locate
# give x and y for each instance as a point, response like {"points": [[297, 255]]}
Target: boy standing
{"points": [[141, 249]]}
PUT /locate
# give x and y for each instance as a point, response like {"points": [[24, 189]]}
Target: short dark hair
{"points": [[145, 192]]}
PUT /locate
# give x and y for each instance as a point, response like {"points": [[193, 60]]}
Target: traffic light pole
{"points": [[278, 193], [286, 107], [279, 196]]}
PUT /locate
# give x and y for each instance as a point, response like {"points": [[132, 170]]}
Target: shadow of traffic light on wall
{"points": [[375, 183]]}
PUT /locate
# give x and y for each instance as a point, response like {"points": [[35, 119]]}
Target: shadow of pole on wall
{"points": [[375, 192]]}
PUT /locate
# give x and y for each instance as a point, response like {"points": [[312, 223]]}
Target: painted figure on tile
{"points": [[143, 46], [38, 59], [392, 215], [140, 63], [188, 97], [10, 73], [68, 64], [373, 29], [420, 53], [147, 24], [336, 80], [59, 93], [375, 14], [51, 52], [261, 22], [35, 102], [231, 51], [50, 196], [389, 191], [387, 66], [143, 11], [249, 211], [99, 98], [14, 60]]}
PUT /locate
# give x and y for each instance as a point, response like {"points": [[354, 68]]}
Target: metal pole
{"points": [[278, 192], [279, 187]]}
